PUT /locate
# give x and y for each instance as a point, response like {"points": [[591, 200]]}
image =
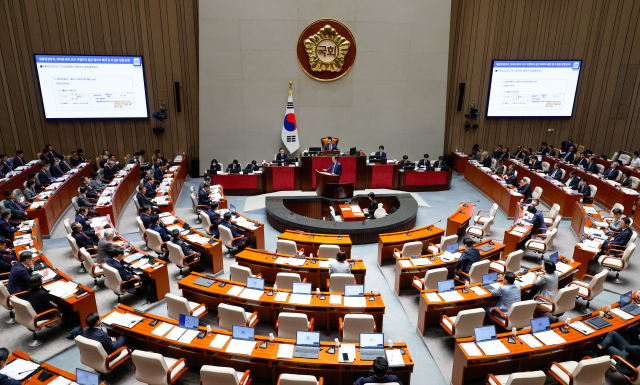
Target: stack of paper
{"points": [[280, 260], [219, 341], [405, 263], [478, 290], [530, 341], [622, 314], [47, 274], [197, 238], [335, 299], [394, 358], [421, 261], [471, 349], [175, 334], [526, 280], [168, 219], [433, 297], [188, 336], [162, 329], [235, 290], [251, 294], [302, 299], [285, 351], [19, 369], [450, 296], [449, 257], [128, 320], [581, 327], [324, 264], [587, 248], [296, 261], [281, 296], [37, 205], [61, 289], [549, 338], [355, 301], [240, 347], [493, 347], [563, 268]]}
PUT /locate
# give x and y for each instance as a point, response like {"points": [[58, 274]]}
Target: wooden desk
{"points": [[353, 170], [636, 218], [17, 180], [459, 162], [263, 262], [513, 241], [325, 314], [430, 313], [523, 358], [58, 202], [175, 188], [281, 178], [263, 363], [425, 180], [211, 252], [579, 221], [239, 184], [349, 215], [404, 275], [33, 379], [458, 222], [255, 235], [311, 242], [329, 186], [493, 189], [387, 242], [121, 195], [382, 175]]}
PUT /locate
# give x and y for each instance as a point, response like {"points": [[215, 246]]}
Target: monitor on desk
{"points": [[307, 338], [291, 160], [189, 322], [353, 290], [540, 324], [87, 378], [214, 172], [243, 333], [489, 278], [315, 150], [255, 283], [444, 286], [301, 288], [232, 209], [277, 162], [374, 158], [485, 333], [352, 151], [554, 257], [372, 340]]}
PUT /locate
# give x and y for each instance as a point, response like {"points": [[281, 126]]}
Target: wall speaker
{"points": [[460, 96], [176, 86]]}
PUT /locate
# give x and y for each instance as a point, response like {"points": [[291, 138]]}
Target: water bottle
{"points": [[318, 292], [275, 288], [337, 343], [271, 338], [209, 331], [390, 344], [567, 322], [466, 286], [514, 332]]}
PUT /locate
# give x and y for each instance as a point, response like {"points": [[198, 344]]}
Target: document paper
{"points": [[241, 347], [162, 329], [530, 340], [493, 348], [471, 349], [549, 338], [219, 341], [285, 351]]}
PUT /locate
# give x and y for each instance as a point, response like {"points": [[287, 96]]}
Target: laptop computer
{"points": [[540, 324], [453, 248], [307, 345], [554, 257], [232, 209], [626, 304], [244, 333], [485, 333], [354, 290], [444, 286], [86, 378], [255, 283], [301, 288], [371, 346], [189, 322], [488, 280]]}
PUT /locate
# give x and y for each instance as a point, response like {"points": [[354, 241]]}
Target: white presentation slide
{"points": [[533, 88], [92, 86]]}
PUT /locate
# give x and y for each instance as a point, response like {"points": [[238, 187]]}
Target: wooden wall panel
{"points": [[163, 32], [604, 34]]}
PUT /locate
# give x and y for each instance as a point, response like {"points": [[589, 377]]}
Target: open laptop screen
{"points": [[625, 299], [307, 338], [255, 283], [301, 288], [489, 278], [372, 340], [554, 257], [86, 378], [243, 333], [189, 322], [485, 333], [447, 285], [540, 324], [232, 209], [353, 290]]}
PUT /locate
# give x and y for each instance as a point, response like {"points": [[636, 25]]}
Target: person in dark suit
{"points": [[566, 145], [145, 216], [216, 166], [135, 158], [424, 162], [252, 167], [7, 226], [158, 227], [186, 250], [544, 149], [8, 167], [591, 166], [83, 213], [17, 211], [330, 146], [518, 154], [93, 331], [612, 173], [581, 161], [143, 200], [235, 166], [3, 171], [469, 256], [110, 170], [373, 206], [242, 242], [46, 157], [621, 239], [405, 161], [207, 180], [159, 173], [18, 160], [510, 176], [203, 195], [380, 153], [505, 154], [36, 187], [336, 167], [215, 219], [4, 380], [150, 187], [625, 180], [125, 274], [281, 155], [585, 190], [569, 156], [552, 152], [535, 163], [63, 164], [82, 240], [525, 157], [55, 170], [499, 169], [52, 152], [116, 166], [555, 172], [615, 344], [74, 160], [486, 162], [439, 163], [158, 155], [7, 257], [572, 181], [537, 220], [380, 376], [20, 273], [40, 301], [525, 189], [42, 175], [498, 152], [91, 193], [83, 200]]}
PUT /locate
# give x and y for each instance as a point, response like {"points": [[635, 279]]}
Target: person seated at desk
{"points": [[615, 344], [214, 218], [17, 210], [63, 164], [555, 172], [240, 243], [635, 160], [336, 167], [158, 226], [524, 189], [215, 165], [572, 181], [135, 158], [581, 161], [20, 273], [18, 160], [51, 150], [570, 155], [158, 155], [105, 247], [91, 193], [74, 159], [3, 170], [82, 239], [43, 176], [544, 149], [535, 163], [150, 187], [112, 158], [234, 166], [4, 380], [625, 180], [110, 170], [84, 201], [143, 200], [499, 169], [93, 331], [176, 239], [424, 162], [526, 157], [380, 376], [616, 224], [518, 154], [340, 264], [41, 302], [546, 283], [476, 152], [612, 173], [552, 152], [591, 166], [207, 180], [7, 226], [565, 146], [405, 161], [373, 206], [486, 160], [439, 163], [7, 257], [252, 167], [505, 154], [36, 187], [510, 176], [203, 195], [330, 146], [537, 220], [469, 256], [8, 167], [145, 216], [507, 294], [46, 157], [281, 155], [585, 190], [159, 173], [126, 274], [142, 153], [95, 182], [81, 218], [380, 153], [55, 170], [621, 239], [498, 152], [146, 175]]}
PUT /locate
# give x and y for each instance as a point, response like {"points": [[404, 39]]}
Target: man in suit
{"points": [[525, 189], [7, 258], [498, 152], [143, 200], [424, 162], [8, 167], [616, 224], [552, 151], [625, 180], [581, 161], [63, 164], [241, 243], [510, 177], [150, 187], [135, 158], [41, 302], [535, 163], [499, 169], [176, 239], [158, 155], [234, 166], [74, 160], [555, 172], [505, 154], [203, 195], [519, 154], [105, 158], [439, 163], [507, 294], [207, 180], [147, 175], [404, 162], [112, 158], [18, 160], [591, 166], [159, 173], [158, 227], [7, 226], [55, 170], [125, 274], [615, 344], [336, 167], [537, 220], [4, 380], [525, 157], [42, 175], [145, 216], [81, 218], [620, 240], [544, 149], [380, 153], [91, 193], [612, 173], [105, 247], [252, 167], [110, 170], [82, 239], [380, 376], [93, 331], [469, 256], [52, 152], [330, 146], [281, 155], [95, 182], [585, 191], [486, 162], [214, 219], [20, 273], [569, 156], [572, 181], [82, 198], [17, 211]]}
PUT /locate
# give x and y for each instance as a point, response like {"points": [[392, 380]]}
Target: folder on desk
{"points": [[394, 358], [163, 329], [433, 297], [203, 282], [471, 349], [235, 290], [219, 341], [335, 299]]}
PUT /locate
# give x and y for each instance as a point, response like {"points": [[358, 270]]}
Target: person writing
{"points": [[214, 218], [340, 264], [330, 146], [93, 331], [281, 155], [424, 162], [469, 256], [336, 167], [439, 163], [572, 181], [585, 190], [157, 227], [525, 189], [537, 220], [40, 301], [252, 167], [380, 376], [4, 380], [240, 243], [176, 239], [234, 166], [380, 153], [373, 206]]}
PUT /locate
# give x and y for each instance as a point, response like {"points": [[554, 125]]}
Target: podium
{"points": [[329, 186]]}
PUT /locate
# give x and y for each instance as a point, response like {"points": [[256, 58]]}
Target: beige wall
{"points": [[395, 94]]}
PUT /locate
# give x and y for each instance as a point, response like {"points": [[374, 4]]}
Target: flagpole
{"points": [[290, 83]]}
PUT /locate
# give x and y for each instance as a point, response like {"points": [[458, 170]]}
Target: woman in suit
{"points": [[625, 180], [546, 282], [39, 298], [373, 206], [215, 165]]}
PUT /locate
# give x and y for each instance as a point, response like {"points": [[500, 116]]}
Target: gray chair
{"points": [[27, 317], [219, 375], [155, 369]]}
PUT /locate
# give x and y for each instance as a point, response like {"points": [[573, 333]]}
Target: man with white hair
{"points": [[105, 247]]}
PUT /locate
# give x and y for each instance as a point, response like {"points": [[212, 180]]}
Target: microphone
{"points": [[465, 204], [429, 227], [340, 235]]}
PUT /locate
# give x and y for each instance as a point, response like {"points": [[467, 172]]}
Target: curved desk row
{"points": [[458, 222], [18, 177], [326, 315], [121, 195], [388, 242], [504, 196], [459, 161], [311, 242], [263, 363], [32, 379], [178, 175], [579, 221]]}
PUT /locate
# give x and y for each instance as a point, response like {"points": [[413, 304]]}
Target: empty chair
{"points": [[113, 281], [481, 231], [229, 315], [328, 251], [27, 317], [591, 371], [589, 291], [563, 302], [462, 325], [336, 218], [197, 209], [67, 225], [614, 157], [523, 378], [624, 159], [354, 324], [511, 264], [535, 195], [288, 247], [545, 166], [154, 241], [617, 263], [431, 279], [442, 246], [608, 214], [94, 269], [541, 243], [155, 369], [220, 375], [176, 255], [93, 355], [286, 280], [478, 269], [192, 189], [135, 201], [409, 249], [519, 315], [74, 202], [5, 301], [207, 226], [555, 224], [143, 233], [298, 379], [336, 282], [483, 218], [241, 273], [177, 305], [289, 323], [635, 182], [600, 168]]}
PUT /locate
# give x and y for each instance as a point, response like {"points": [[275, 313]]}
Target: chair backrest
{"points": [[555, 209], [239, 273], [527, 378], [231, 315], [325, 141], [412, 248], [74, 202], [192, 189], [493, 210], [19, 195], [564, 173], [297, 379], [634, 182], [176, 305], [176, 255], [616, 206], [545, 166], [87, 261], [600, 168], [446, 241], [597, 283], [74, 247], [615, 156], [338, 280], [520, 314], [493, 162], [328, 251], [25, 314], [67, 225], [537, 192], [591, 371], [354, 324], [565, 300], [154, 240], [206, 223], [549, 239], [478, 269], [434, 276], [513, 260], [141, 229], [226, 237], [290, 323], [618, 177], [526, 179], [580, 148], [486, 227], [4, 294], [151, 368], [626, 255], [467, 320], [286, 247], [594, 190], [556, 222], [218, 375], [286, 280], [634, 235], [92, 354], [112, 279], [624, 159], [380, 213]]}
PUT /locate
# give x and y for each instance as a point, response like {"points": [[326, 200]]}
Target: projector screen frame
{"points": [[144, 80], [486, 114]]}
